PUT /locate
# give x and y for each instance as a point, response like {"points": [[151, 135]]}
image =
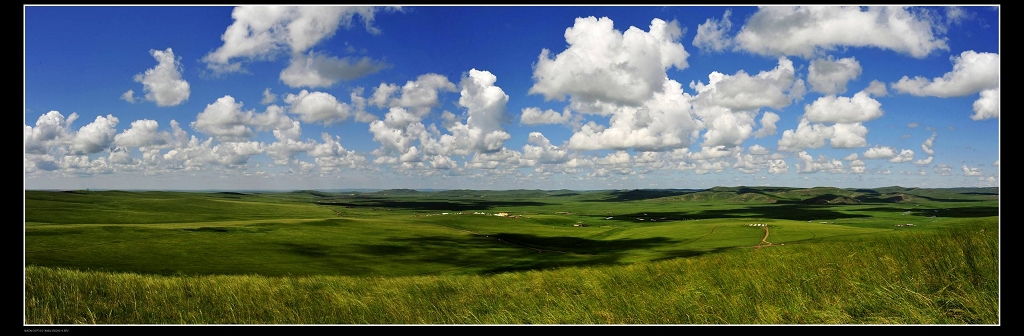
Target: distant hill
{"points": [[830, 195], [398, 192]]}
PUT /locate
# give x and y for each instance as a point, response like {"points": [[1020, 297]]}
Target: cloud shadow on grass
{"points": [[511, 252], [774, 211]]}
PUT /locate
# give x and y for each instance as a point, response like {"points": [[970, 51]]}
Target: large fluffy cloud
{"points": [[768, 120], [987, 107], [830, 76], [96, 136], [876, 88], [331, 156], [809, 31], [261, 32], [848, 136], [831, 109], [163, 84], [806, 135], [540, 150], [809, 164], [486, 106], [319, 70], [972, 73], [397, 132], [663, 122], [534, 116], [402, 127], [809, 135], [603, 65], [880, 152], [711, 35], [729, 104], [287, 146], [418, 96], [264, 32], [143, 133], [318, 106], [225, 119], [774, 88], [235, 153], [50, 129]]}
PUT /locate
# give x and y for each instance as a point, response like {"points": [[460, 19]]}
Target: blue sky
{"points": [[510, 97]]}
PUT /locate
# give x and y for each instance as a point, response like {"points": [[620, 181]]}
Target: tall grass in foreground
{"points": [[946, 277]]}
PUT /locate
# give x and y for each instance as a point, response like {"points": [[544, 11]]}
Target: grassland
{"points": [[830, 256]]}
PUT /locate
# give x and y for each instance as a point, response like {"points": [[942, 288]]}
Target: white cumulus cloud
{"points": [[313, 107], [96, 136], [904, 156], [263, 32], [831, 109], [768, 127], [712, 34], [418, 96], [926, 146], [540, 149], [830, 76], [745, 92], [534, 116], [987, 107], [879, 152], [969, 171], [972, 73], [663, 122], [777, 166], [876, 88], [163, 84], [809, 164], [602, 64], [806, 135], [848, 136], [226, 120], [318, 70], [50, 129], [728, 104], [809, 31], [143, 133], [128, 96], [268, 97], [486, 105]]}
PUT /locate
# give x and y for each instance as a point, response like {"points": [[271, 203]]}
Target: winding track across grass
{"points": [[764, 241]]}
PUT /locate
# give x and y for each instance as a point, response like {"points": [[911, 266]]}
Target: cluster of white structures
{"points": [[902, 225], [758, 224], [444, 213], [500, 214]]}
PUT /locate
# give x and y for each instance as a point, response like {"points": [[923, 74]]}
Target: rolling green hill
{"points": [[793, 255]]}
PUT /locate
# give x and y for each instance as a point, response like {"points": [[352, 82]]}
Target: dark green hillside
{"points": [[831, 195], [149, 207], [408, 232], [642, 194]]}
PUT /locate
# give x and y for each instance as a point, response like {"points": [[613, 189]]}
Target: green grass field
{"points": [[831, 256]]}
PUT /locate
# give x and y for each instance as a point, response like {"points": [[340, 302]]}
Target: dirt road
{"points": [[764, 241]]}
